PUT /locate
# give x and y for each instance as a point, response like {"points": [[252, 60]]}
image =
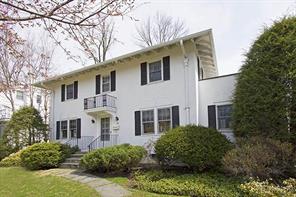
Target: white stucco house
{"points": [[136, 97]]}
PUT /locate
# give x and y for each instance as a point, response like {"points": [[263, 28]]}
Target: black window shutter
{"points": [[63, 87], [75, 89], [143, 73], [98, 84], [78, 128], [212, 116], [113, 80], [58, 130], [175, 116], [166, 68], [137, 123]]}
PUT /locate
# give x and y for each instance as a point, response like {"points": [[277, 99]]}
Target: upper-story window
{"points": [[148, 121], [164, 119], [224, 117], [70, 91], [38, 99], [20, 95], [106, 83], [155, 71]]}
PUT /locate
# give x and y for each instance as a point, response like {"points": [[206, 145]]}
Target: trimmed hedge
{"points": [[199, 147], [115, 158], [265, 94], [261, 158], [263, 189], [42, 156], [13, 159], [205, 184]]}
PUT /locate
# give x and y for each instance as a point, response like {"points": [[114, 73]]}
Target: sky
{"points": [[235, 24]]}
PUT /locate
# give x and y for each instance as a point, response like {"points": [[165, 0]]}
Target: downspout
{"points": [[186, 83]]}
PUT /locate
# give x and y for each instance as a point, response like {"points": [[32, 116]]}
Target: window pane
{"points": [[64, 129], [70, 91], [164, 114], [106, 83], [147, 115], [148, 127], [38, 100], [224, 116], [73, 128], [164, 126], [20, 95], [155, 71]]}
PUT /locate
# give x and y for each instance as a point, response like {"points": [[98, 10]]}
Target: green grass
{"points": [[123, 181], [15, 182]]}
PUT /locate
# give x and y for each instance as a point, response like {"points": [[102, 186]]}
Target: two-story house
{"points": [[136, 97]]}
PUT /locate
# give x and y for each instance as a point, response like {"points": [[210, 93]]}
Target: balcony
{"points": [[100, 104]]}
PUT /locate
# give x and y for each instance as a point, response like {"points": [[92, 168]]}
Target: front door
{"points": [[105, 129]]}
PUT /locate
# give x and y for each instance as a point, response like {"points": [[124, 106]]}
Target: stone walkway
{"points": [[104, 187]]}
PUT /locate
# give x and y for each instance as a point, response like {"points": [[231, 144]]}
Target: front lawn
{"points": [[16, 182]]}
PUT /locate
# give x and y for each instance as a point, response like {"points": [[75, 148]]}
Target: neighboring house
{"points": [[21, 98], [138, 96]]}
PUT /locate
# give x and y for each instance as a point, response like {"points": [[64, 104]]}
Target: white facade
{"points": [[182, 99]]}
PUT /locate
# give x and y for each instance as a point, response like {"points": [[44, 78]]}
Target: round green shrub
{"points": [[41, 156], [199, 147], [261, 158], [115, 158], [265, 94], [14, 159]]}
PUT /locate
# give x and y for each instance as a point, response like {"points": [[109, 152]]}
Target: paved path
{"points": [[104, 187]]}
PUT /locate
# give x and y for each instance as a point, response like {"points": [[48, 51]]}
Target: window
{"points": [[148, 121], [38, 99], [20, 95], [105, 129], [106, 83], [73, 128], [224, 116], [64, 129], [164, 119], [155, 71], [70, 91]]}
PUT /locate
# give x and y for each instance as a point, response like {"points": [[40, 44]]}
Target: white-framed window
{"points": [[20, 95], [148, 122], [164, 119], [155, 71], [106, 84], [64, 129], [224, 116], [73, 128], [38, 99], [70, 91]]}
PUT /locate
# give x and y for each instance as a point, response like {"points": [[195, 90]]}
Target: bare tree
{"points": [[95, 42], [66, 17], [11, 64], [158, 29]]}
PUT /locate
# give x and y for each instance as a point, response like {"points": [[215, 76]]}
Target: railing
{"points": [[100, 101], [102, 141], [82, 142]]}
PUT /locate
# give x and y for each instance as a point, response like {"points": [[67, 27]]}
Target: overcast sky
{"points": [[235, 25]]}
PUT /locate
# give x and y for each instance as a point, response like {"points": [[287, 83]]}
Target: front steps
{"points": [[73, 161]]}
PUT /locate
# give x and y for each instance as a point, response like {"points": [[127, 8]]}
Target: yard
{"points": [[20, 182]]}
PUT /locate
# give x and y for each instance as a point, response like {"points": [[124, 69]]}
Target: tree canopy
{"points": [[265, 96], [25, 128]]}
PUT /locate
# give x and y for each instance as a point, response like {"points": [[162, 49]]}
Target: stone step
{"points": [[69, 165], [73, 160], [77, 155]]}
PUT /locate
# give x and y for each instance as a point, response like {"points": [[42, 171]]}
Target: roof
{"points": [[212, 59]]}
